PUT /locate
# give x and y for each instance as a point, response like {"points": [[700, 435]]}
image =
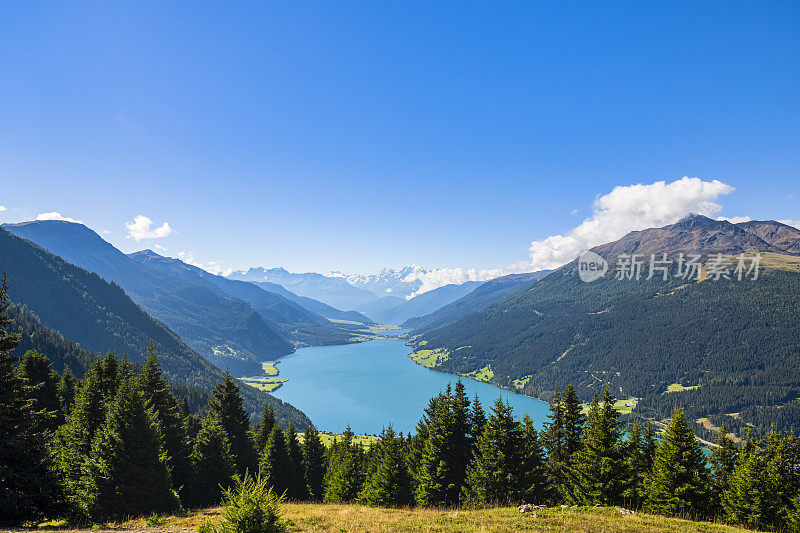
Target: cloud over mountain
{"points": [[54, 215], [626, 208], [139, 229]]}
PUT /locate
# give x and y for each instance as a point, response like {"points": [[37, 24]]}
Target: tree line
{"points": [[118, 442]]}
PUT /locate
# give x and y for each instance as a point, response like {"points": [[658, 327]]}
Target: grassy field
{"points": [[520, 383], [269, 368], [429, 358], [265, 384], [485, 374], [624, 407], [306, 517], [365, 440], [677, 387]]}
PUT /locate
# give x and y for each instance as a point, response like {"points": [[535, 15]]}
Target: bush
{"points": [[249, 507]]}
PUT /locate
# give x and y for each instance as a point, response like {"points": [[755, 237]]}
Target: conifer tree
{"points": [[344, 476], [27, 487], [225, 405], [460, 443], [558, 454], [777, 475], [742, 500], [599, 465], [494, 475], [276, 467], [67, 387], [314, 463], [636, 467], [533, 472], [679, 481], [477, 420], [126, 473], [723, 462], [434, 472], [76, 435], [297, 476], [212, 465], [264, 428], [573, 422], [389, 483], [649, 447], [159, 398], [42, 382]]}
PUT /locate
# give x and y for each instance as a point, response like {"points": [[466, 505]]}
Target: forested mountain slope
{"points": [[312, 305], [301, 326], [483, 296], [224, 329], [732, 346], [425, 303], [100, 317]]}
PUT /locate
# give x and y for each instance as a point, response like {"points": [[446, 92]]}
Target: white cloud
{"points": [[54, 215], [793, 223], [106, 232], [139, 229], [630, 208], [159, 247], [624, 209], [2, 208], [735, 220], [212, 267]]}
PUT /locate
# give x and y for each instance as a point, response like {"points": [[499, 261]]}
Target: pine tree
{"points": [[225, 405], [42, 382], [76, 435], [67, 388], [742, 501], [558, 454], [477, 420], [460, 443], [434, 471], [314, 463], [494, 475], [599, 466], [679, 482], [159, 398], [389, 484], [212, 465], [637, 467], [777, 474], [276, 467], [573, 422], [297, 476], [723, 462], [264, 428], [649, 447], [27, 487], [533, 471], [126, 473], [345, 474]]}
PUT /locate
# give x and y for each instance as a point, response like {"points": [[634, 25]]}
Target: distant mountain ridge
{"points": [[100, 317], [334, 291], [423, 304], [484, 295], [301, 326], [390, 281], [224, 329]]}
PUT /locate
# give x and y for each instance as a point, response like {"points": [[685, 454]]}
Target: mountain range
{"points": [[59, 304], [725, 349]]}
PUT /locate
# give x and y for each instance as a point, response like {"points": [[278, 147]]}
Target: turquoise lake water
{"points": [[371, 384]]}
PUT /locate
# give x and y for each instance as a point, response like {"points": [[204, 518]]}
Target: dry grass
{"points": [[307, 517]]}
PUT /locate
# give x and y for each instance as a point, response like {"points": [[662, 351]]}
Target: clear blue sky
{"points": [[353, 135]]}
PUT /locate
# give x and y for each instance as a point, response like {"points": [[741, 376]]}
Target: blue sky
{"points": [[353, 135]]}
